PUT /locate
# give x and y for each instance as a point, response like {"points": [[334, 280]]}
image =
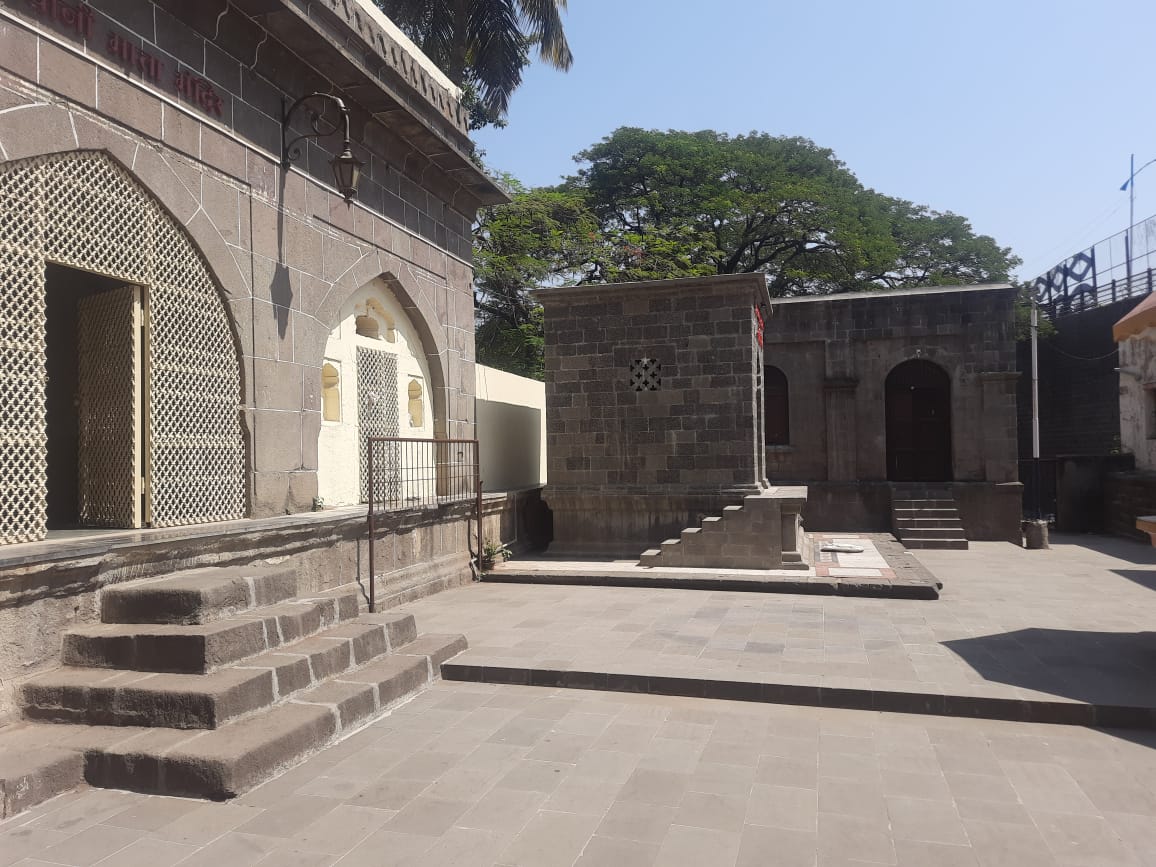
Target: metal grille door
{"points": [[108, 346], [377, 416]]}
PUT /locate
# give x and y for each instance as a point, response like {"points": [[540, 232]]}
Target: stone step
{"points": [[909, 522], [30, 776], [225, 762], [650, 557], [923, 504], [207, 701], [952, 514], [712, 524], [931, 533], [203, 647], [689, 533], [197, 596], [941, 544]]}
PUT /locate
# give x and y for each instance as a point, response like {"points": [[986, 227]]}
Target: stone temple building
{"points": [[884, 403], [235, 243]]}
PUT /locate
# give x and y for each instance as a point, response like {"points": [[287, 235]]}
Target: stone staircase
{"points": [[925, 516], [763, 533], [207, 682]]}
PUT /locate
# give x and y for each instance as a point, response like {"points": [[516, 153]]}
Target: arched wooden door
{"points": [[918, 396]]}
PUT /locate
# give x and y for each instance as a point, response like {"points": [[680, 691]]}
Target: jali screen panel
{"points": [[84, 211], [377, 416]]}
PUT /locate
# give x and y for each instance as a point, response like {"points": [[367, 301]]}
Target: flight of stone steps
{"points": [[208, 682], [742, 537], [926, 517]]}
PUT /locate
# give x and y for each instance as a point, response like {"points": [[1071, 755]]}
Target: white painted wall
{"points": [[511, 425], [1137, 390], [338, 473]]}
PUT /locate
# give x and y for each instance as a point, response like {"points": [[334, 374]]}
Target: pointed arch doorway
{"points": [[121, 380], [918, 408]]}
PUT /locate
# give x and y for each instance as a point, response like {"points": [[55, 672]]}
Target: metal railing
{"points": [[404, 473], [1119, 267]]}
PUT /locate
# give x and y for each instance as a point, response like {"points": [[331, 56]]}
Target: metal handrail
{"points": [[428, 483]]}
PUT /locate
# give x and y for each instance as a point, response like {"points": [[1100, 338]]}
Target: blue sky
{"points": [[1018, 115]]}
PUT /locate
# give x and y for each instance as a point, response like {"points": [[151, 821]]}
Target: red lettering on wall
{"points": [[198, 91], [78, 16], [133, 57]]}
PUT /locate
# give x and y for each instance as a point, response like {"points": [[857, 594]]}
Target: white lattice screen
{"points": [[82, 210], [377, 416], [108, 345]]}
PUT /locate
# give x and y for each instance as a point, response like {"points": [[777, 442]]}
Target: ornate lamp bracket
{"points": [[346, 166]]}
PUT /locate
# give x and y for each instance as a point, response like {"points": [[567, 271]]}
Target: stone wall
{"points": [[1080, 402], [188, 98], [1128, 496], [1136, 394], [652, 408], [836, 353]]}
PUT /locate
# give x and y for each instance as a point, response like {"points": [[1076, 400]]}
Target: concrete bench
{"points": [[1147, 524]]}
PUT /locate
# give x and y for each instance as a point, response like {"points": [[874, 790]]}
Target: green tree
{"points": [[543, 237], [646, 204], [483, 45], [680, 203]]}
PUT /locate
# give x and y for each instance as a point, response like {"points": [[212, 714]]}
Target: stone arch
{"points": [[917, 395], [86, 211], [777, 406], [379, 366], [417, 308], [61, 131]]}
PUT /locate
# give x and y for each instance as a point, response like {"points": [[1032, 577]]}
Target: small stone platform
{"points": [[883, 570]]}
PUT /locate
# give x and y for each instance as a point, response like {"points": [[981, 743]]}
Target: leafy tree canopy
{"points": [[483, 45], [647, 204]]}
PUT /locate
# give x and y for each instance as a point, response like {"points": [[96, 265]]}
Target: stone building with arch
{"points": [[881, 392], [189, 318]]}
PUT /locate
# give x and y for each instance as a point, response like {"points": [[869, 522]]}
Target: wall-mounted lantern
{"points": [[346, 167]]}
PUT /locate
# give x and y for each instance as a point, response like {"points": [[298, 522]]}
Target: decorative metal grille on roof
{"points": [[84, 211]]}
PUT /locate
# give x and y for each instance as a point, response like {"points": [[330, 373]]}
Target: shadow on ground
{"points": [[1144, 577], [1129, 550], [1105, 668]]}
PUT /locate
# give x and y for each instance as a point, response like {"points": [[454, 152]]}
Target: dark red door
{"points": [[918, 395]]}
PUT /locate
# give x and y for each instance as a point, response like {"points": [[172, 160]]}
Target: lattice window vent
{"points": [[645, 374]]}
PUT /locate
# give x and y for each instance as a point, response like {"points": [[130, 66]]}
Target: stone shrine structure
{"points": [[654, 417], [882, 403]]}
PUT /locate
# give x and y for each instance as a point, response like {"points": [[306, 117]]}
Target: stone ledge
{"points": [[820, 692]]}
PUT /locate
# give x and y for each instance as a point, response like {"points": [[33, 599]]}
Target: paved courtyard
{"points": [[485, 774], [1076, 623], [477, 774]]}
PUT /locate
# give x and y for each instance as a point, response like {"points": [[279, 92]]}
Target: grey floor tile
{"points": [[655, 787], [549, 839], [692, 847], [783, 807], [341, 829], [427, 816], [89, 846], [760, 847], [617, 852]]}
